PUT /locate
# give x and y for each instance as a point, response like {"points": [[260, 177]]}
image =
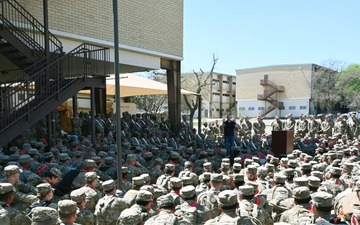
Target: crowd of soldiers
{"points": [[182, 178]]}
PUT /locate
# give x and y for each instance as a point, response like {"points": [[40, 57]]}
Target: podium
{"points": [[282, 142]]}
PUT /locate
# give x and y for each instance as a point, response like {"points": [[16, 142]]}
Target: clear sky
{"points": [[255, 33]]}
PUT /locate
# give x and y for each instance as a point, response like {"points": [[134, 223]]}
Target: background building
{"points": [[276, 90]]}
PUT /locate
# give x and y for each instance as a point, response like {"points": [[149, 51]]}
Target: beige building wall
{"points": [[296, 79], [153, 26]]}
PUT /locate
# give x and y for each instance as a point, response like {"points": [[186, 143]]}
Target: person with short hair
{"points": [[67, 212]]}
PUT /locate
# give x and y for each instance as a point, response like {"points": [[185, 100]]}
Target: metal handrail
{"points": [[27, 28], [49, 78]]}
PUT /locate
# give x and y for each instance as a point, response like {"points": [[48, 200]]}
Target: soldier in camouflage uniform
{"points": [[135, 168], [248, 208], [142, 204], [44, 215], [166, 212], [192, 211], [27, 176], [76, 123], [129, 217], [209, 198], [67, 212], [92, 194], [164, 180], [84, 216], [126, 185], [300, 213], [323, 203], [109, 208], [8, 214], [89, 165], [175, 185]]}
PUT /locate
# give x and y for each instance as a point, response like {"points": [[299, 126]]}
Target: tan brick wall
{"points": [[295, 78], [147, 24]]}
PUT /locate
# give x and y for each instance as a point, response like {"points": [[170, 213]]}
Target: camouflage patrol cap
{"points": [[238, 160], [269, 167], [262, 171], [279, 178], [97, 159], [269, 156], [63, 157], [146, 177], [145, 196], [225, 160], [187, 180], [165, 201], [336, 163], [78, 195], [348, 166], [163, 145], [314, 181], [14, 157], [252, 183], [108, 185], [322, 199], [25, 158], [188, 191], [332, 155], [251, 169], [148, 188], [274, 160], [237, 166], [176, 182], [44, 214], [89, 163], [215, 177], [4, 159], [14, 149], [227, 198], [109, 160], [131, 157], [102, 154], [289, 172], [189, 164], [292, 163], [290, 156], [148, 155], [225, 165], [207, 176], [256, 159], [210, 152], [237, 148], [301, 181], [56, 172], [138, 181], [189, 151], [356, 186], [301, 192], [124, 169], [44, 187], [11, 170], [207, 165], [174, 155], [237, 177], [222, 151], [6, 188], [67, 206], [248, 161], [90, 176], [306, 166], [170, 167], [129, 217], [335, 171], [246, 190], [40, 144], [48, 155]]}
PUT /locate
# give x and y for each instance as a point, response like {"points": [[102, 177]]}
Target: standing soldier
{"points": [[246, 126], [327, 126], [277, 124], [289, 122], [259, 126], [76, 123], [352, 126], [339, 127], [313, 127]]}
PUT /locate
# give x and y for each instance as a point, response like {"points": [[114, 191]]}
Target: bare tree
{"points": [[327, 92], [197, 84]]}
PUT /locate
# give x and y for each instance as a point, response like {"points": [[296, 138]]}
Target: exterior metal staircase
{"points": [[47, 79], [272, 88]]}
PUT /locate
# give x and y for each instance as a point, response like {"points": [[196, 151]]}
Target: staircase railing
{"points": [[47, 80], [27, 28]]}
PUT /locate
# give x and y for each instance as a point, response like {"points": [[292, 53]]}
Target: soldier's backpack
{"points": [[209, 199], [250, 210], [304, 217], [189, 214], [101, 211], [164, 181]]}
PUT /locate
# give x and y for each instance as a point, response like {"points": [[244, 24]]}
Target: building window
{"points": [[251, 108], [225, 81], [215, 93], [226, 95], [292, 107], [303, 107], [261, 108], [217, 110], [234, 83]]}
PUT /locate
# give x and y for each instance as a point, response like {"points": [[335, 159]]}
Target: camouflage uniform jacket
{"points": [[85, 217], [194, 213], [79, 181], [165, 217], [92, 197], [209, 200], [10, 216], [247, 208], [145, 215], [297, 215], [108, 209]]}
